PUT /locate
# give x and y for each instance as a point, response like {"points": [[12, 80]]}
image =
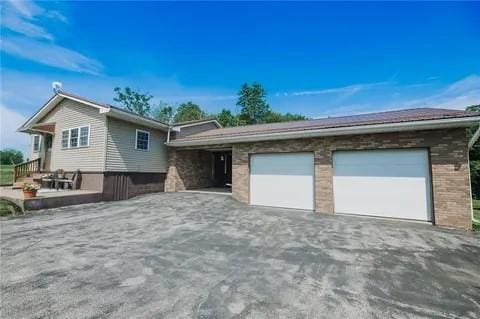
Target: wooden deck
{"points": [[47, 198]]}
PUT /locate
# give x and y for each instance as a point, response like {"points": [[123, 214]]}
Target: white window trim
{"points": [[136, 138], [39, 143], [69, 146]]}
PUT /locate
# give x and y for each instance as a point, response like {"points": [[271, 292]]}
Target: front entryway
{"points": [[222, 169], [282, 180], [384, 183]]}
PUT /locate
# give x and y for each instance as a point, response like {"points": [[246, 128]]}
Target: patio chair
{"points": [[73, 182]]}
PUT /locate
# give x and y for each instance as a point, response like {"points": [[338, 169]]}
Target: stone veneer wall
{"points": [[188, 169], [448, 156]]}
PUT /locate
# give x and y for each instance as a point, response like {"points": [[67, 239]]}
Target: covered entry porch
{"points": [[200, 170]]}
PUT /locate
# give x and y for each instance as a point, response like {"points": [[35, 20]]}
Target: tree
{"points": [[164, 112], [133, 101], [10, 156], [474, 158], [274, 117], [253, 103], [228, 119], [189, 112]]}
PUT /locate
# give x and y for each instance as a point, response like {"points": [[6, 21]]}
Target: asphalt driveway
{"points": [[186, 255]]}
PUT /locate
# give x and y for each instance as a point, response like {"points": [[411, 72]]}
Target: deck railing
{"points": [[26, 169]]}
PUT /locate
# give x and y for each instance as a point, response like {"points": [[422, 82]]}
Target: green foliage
{"points": [[227, 119], [10, 156], [189, 112], [274, 117], [253, 102], [6, 175], [474, 158], [163, 112], [8, 208], [133, 101], [251, 98]]}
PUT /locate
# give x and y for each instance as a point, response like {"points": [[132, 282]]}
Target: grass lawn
{"points": [[6, 174], [8, 208], [476, 213]]}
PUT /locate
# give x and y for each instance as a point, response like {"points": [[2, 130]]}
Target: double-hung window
{"points": [[142, 140], [36, 143], [76, 137], [65, 137], [84, 132]]}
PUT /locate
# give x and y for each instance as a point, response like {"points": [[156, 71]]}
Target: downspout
{"points": [[168, 134], [474, 138], [472, 142]]}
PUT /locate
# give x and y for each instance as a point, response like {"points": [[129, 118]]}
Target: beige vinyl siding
{"points": [[70, 114], [194, 129], [122, 154]]}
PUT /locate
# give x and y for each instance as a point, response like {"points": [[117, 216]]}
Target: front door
{"points": [[48, 151], [222, 162]]}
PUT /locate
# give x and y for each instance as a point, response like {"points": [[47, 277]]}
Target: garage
{"points": [[282, 180], [383, 183]]}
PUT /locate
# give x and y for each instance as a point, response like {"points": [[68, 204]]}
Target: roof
{"points": [[109, 110], [406, 118], [197, 122]]}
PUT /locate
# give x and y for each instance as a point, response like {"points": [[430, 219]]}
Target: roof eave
{"points": [[215, 121], [350, 130], [137, 119]]}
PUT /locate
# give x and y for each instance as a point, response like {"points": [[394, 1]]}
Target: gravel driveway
{"points": [[184, 255]]}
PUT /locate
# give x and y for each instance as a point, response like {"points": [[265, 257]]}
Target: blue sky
{"points": [[318, 59]]}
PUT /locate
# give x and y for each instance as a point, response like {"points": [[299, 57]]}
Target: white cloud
{"points": [[19, 25], [9, 137], [36, 43], [345, 90], [457, 95], [50, 54], [26, 8]]}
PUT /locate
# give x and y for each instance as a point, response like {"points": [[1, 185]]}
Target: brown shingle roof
{"points": [[408, 115]]}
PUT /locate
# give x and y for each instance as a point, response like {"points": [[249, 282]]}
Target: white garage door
{"points": [[282, 180], [390, 183]]}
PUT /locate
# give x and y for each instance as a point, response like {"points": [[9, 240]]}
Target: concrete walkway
{"points": [[185, 255]]}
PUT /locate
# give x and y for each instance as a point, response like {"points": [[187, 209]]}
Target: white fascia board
{"points": [[54, 100], [132, 118], [351, 130], [198, 123], [98, 106], [57, 98]]}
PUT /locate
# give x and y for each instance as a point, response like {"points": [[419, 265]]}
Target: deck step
{"points": [[37, 175], [17, 185], [22, 180]]}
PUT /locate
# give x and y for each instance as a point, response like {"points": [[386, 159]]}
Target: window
{"points": [[65, 138], [142, 140], [36, 143], [84, 136], [76, 137]]}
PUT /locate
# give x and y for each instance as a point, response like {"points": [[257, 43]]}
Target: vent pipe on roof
{"points": [[56, 86]]}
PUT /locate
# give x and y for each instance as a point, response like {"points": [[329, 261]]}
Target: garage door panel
{"points": [[282, 180], [383, 183]]}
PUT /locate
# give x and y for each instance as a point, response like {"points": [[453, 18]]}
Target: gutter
{"points": [[127, 116], [350, 130]]}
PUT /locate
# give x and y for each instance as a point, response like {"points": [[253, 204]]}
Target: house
{"points": [[117, 152], [408, 164]]}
